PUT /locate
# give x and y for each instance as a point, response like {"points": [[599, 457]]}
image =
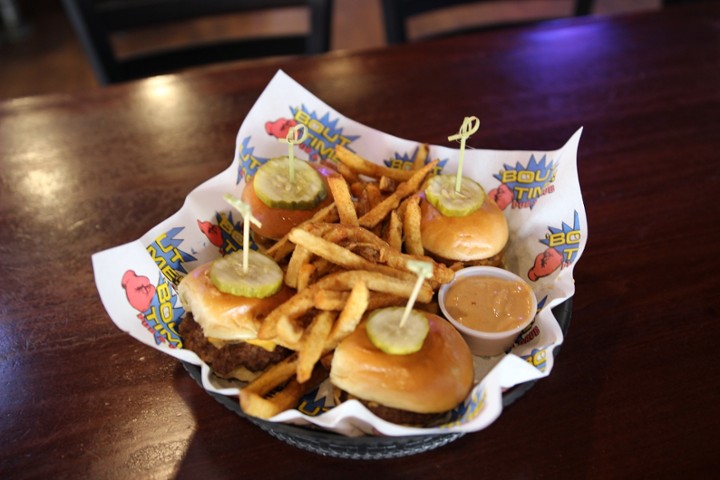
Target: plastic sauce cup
{"points": [[487, 343]]}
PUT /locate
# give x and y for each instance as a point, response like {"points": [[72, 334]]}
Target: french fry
{"points": [[295, 307], [351, 314], [375, 281], [411, 227], [393, 231], [274, 376], [382, 299], [405, 189], [357, 188], [393, 257], [374, 195], [337, 300], [330, 299], [289, 332], [343, 200], [368, 168], [369, 251], [322, 335], [402, 208], [276, 391], [318, 228], [340, 255], [323, 267], [257, 406], [350, 234], [313, 344], [441, 273], [420, 157], [300, 257], [362, 205], [350, 175], [305, 276], [376, 215], [322, 248], [387, 184], [283, 325]]}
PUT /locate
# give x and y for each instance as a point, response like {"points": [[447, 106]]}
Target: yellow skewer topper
{"points": [[423, 270], [469, 126], [246, 213], [292, 139]]}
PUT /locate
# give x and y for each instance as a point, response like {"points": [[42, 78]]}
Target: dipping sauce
{"points": [[489, 304]]}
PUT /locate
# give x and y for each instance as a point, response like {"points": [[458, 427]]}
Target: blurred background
{"points": [[40, 52]]}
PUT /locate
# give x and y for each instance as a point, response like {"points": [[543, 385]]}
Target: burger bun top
{"points": [[433, 380], [221, 315], [479, 235]]}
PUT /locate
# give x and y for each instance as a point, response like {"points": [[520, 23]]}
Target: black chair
{"points": [[397, 13], [96, 21]]}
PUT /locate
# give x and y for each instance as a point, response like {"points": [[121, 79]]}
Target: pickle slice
{"points": [[441, 193], [274, 188], [384, 330], [263, 278]]}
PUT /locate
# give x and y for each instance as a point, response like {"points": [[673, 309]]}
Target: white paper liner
{"points": [[538, 190]]}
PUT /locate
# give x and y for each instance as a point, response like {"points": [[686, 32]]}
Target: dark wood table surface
{"points": [[634, 393]]}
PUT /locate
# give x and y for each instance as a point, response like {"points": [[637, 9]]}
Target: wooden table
{"points": [[635, 390]]}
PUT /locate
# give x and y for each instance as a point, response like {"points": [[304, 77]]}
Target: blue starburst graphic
{"points": [[163, 316], [324, 133], [405, 161], [166, 253], [565, 239], [231, 232], [528, 182], [248, 162]]}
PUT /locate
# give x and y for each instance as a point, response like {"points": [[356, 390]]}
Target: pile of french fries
{"points": [[350, 258]]}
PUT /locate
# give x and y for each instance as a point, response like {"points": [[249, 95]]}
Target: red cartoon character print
{"points": [[502, 196], [280, 127], [212, 232], [139, 291], [545, 264]]}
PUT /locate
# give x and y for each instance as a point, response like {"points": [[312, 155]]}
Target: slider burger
{"points": [[225, 310], [416, 388], [464, 227], [280, 203]]}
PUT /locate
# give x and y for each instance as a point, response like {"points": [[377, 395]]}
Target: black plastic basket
{"points": [[332, 444]]}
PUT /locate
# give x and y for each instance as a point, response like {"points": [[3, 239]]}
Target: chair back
{"points": [[96, 21], [397, 14]]}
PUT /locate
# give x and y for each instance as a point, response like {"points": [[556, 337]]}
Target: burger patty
{"points": [[494, 261], [396, 415], [232, 355]]}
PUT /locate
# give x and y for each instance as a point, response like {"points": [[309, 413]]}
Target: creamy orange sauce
{"points": [[489, 304]]}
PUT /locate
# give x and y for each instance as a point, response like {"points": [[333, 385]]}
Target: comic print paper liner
{"points": [[538, 191]]}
